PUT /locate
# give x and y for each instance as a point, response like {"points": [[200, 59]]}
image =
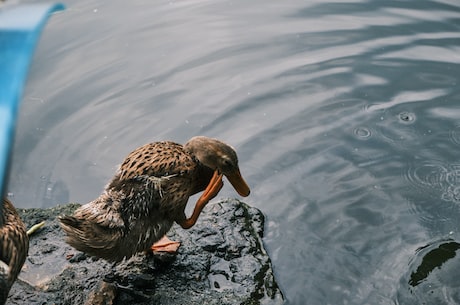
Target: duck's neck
{"points": [[203, 178]]}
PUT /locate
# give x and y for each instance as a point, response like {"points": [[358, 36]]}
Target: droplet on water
{"points": [[407, 117]]}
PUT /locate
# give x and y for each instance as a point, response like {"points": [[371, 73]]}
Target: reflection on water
{"points": [[344, 116]]}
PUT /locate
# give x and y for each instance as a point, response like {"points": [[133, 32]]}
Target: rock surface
{"points": [[221, 261]]}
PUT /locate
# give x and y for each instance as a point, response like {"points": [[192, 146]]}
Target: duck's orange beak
{"points": [[238, 183]]}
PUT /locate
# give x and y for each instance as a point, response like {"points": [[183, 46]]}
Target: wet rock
{"points": [[432, 277], [221, 261]]}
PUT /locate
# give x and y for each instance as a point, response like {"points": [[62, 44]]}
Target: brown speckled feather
{"points": [[157, 159], [14, 246], [148, 193]]}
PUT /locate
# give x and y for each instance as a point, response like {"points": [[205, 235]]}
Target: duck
{"points": [[14, 247], [148, 194]]}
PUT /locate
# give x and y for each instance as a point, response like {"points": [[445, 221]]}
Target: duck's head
{"points": [[218, 156]]}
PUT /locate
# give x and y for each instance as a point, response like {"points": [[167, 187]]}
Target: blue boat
{"points": [[20, 28]]}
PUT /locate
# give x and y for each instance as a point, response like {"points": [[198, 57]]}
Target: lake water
{"points": [[345, 116]]}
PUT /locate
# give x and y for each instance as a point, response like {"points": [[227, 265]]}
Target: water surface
{"points": [[345, 116]]}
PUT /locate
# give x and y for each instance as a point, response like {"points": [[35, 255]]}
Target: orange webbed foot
{"points": [[213, 188], [211, 191], [165, 245]]}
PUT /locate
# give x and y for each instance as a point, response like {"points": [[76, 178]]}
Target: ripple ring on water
{"points": [[441, 178], [430, 175], [455, 135], [362, 133]]}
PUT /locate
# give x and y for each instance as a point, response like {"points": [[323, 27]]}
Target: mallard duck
{"points": [[14, 246], [148, 193]]}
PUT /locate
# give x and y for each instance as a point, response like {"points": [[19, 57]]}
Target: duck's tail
{"points": [[75, 230], [92, 239], [69, 223]]}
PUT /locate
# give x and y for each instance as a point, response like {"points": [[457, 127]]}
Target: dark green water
{"points": [[345, 116]]}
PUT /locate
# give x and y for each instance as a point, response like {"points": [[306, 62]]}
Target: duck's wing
{"points": [[162, 176], [158, 159]]}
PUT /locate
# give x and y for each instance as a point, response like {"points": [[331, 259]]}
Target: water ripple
{"points": [[362, 133], [454, 135], [437, 79], [434, 176], [410, 97]]}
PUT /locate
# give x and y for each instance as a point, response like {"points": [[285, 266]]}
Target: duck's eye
{"points": [[227, 163]]}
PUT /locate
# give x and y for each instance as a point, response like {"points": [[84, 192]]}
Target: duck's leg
{"points": [[213, 188]]}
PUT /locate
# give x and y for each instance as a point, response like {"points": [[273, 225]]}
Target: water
{"points": [[345, 116]]}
